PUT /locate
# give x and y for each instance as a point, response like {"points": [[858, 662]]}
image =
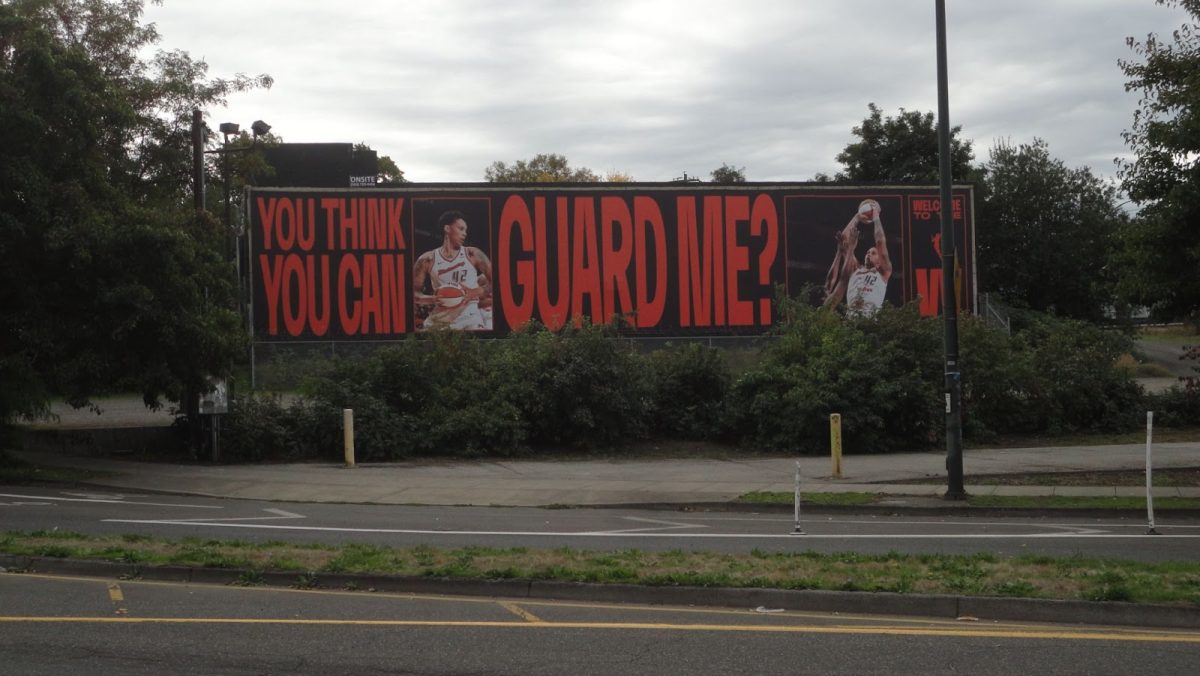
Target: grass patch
{"points": [[1174, 477], [16, 471], [1008, 501], [1170, 335], [823, 499], [1184, 476], [1079, 502], [980, 574]]}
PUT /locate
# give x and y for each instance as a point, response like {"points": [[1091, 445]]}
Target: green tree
{"points": [[727, 173], [543, 168], [389, 171], [901, 149], [1046, 231], [111, 280], [1161, 250]]}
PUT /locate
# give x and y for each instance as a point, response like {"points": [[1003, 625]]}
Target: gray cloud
{"points": [[659, 88]]}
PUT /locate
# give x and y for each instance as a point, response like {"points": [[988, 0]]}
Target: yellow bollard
{"points": [[835, 443], [348, 435]]}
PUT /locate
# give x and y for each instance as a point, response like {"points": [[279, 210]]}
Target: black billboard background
{"points": [[674, 260]]}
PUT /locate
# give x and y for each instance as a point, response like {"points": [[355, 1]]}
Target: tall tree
{"points": [[727, 173], [110, 279], [543, 168], [1045, 232], [389, 171], [1161, 250], [901, 149]]}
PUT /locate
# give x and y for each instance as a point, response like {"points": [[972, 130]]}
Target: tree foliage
{"points": [[901, 149], [1161, 253], [1045, 232], [110, 279], [389, 171], [727, 173], [547, 168]]}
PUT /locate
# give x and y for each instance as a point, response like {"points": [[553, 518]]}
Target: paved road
{"points": [[53, 625], [98, 512]]}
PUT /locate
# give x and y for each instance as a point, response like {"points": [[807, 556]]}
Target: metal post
{"points": [[1149, 471], [954, 458], [796, 503]]}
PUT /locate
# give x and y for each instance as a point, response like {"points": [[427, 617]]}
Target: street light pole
{"points": [[954, 458]]}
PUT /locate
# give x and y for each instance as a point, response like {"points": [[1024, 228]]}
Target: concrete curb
{"points": [[982, 608]]}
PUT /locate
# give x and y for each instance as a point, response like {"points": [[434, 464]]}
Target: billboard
{"points": [[670, 259]]}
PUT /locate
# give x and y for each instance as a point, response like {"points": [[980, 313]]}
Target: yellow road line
{"points": [[628, 626], [450, 598], [520, 612]]}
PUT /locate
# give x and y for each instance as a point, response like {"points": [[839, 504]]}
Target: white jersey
{"points": [[865, 292], [457, 271]]}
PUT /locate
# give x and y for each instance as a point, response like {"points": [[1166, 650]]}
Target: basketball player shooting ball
{"points": [[864, 284], [459, 288]]}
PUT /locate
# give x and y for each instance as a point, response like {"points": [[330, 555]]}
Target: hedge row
{"points": [[585, 388]]}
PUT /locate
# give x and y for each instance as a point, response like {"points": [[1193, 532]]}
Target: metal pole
{"points": [[1149, 471], [954, 458], [796, 503]]}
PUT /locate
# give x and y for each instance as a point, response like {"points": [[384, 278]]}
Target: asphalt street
{"points": [[55, 625], [170, 516]]}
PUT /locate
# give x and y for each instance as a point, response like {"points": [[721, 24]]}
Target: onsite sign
{"points": [[669, 259]]}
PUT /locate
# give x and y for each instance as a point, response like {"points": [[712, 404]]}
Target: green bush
{"points": [[688, 387], [878, 374], [576, 387], [1072, 384], [995, 378], [449, 393], [1176, 407], [435, 394], [259, 427]]}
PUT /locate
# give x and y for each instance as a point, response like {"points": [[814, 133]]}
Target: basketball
{"points": [[450, 296], [867, 210]]}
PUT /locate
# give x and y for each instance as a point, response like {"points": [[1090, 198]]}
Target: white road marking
{"points": [[106, 501], [667, 525], [281, 515], [765, 536], [27, 504]]}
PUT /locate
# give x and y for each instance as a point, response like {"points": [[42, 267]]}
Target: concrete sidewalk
{"points": [[618, 482]]}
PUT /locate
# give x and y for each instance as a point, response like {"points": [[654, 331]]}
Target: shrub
{"points": [[821, 364], [688, 386], [577, 387], [1072, 383], [432, 394]]}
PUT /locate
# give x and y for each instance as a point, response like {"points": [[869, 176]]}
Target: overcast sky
{"points": [[656, 89]]}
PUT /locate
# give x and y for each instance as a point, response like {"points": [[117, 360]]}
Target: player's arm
{"points": [[885, 260], [421, 270], [849, 265], [844, 264], [839, 258], [483, 265]]}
